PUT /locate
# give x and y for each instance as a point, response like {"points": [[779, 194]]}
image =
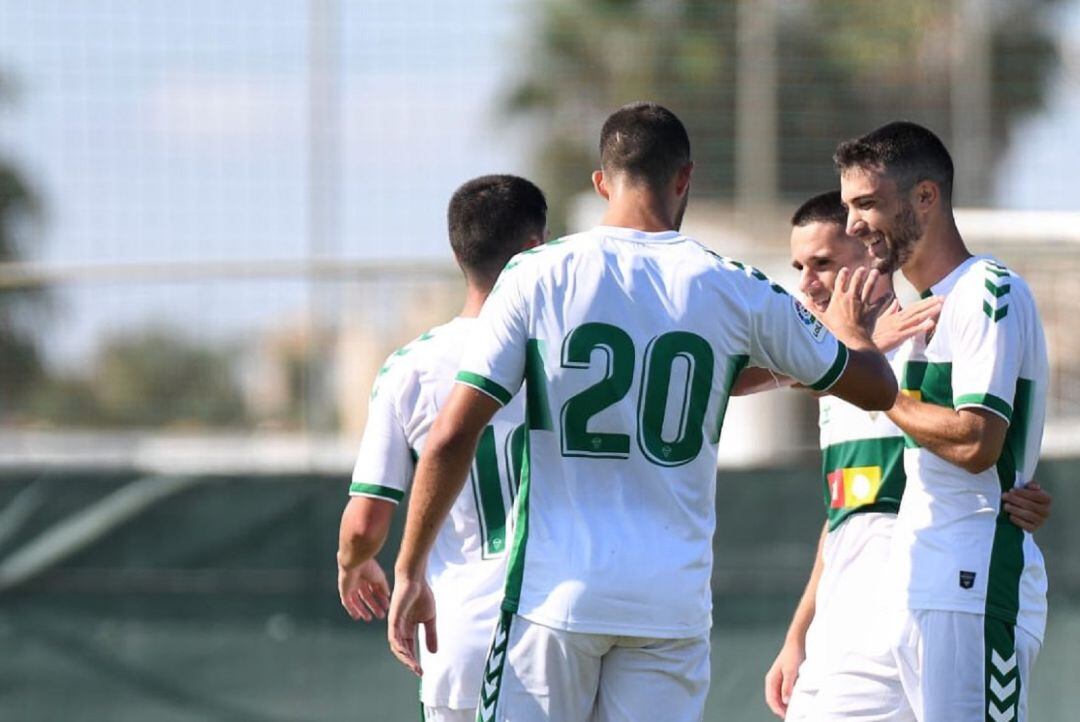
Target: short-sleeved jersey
{"points": [[628, 344], [862, 460], [953, 548], [467, 565]]}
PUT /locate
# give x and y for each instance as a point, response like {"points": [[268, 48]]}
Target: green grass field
{"points": [[88, 667], [220, 605]]}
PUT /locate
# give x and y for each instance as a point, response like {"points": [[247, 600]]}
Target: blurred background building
{"points": [[217, 219]]}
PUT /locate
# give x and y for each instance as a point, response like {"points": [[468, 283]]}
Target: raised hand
{"points": [[850, 313], [896, 325]]}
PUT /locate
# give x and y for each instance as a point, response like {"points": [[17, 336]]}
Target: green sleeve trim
{"points": [[381, 492], [986, 401], [835, 370], [485, 385]]}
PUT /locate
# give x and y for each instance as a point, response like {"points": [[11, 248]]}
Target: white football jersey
{"points": [[628, 343], [862, 459], [953, 548], [468, 562]]}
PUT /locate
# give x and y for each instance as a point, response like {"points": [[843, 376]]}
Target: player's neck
{"points": [[937, 254], [474, 301], [640, 209]]}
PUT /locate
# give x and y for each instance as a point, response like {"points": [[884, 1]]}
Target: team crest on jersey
{"points": [[809, 321], [967, 580]]}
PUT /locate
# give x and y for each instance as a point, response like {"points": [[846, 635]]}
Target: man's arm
{"points": [[971, 438], [362, 584], [755, 380], [787, 338], [780, 679], [867, 380], [440, 475]]}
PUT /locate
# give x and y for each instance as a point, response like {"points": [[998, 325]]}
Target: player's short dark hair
{"points": [[906, 152], [646, 141], [490, 219], [822, 208]]}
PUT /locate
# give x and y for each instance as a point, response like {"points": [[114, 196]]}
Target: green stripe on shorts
{"points": [[1002, 671], [493, 670]]}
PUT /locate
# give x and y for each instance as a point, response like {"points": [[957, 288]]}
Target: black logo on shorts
{"points": [[967, 580]]}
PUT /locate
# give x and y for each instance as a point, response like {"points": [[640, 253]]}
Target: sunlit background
{"points": [[217, 219]]}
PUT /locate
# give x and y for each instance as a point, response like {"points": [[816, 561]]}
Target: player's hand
{"points": [[411, 604], [896, 325], [363, 590], [780, 679], [850, 313], [1028, 506]]}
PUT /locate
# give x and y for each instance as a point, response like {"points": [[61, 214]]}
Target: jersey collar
{"points": [[945, 285], [636, 236]]}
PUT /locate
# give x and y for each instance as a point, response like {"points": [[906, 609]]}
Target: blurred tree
{"points": [[20, 308], [154, 378], [844, 66]]}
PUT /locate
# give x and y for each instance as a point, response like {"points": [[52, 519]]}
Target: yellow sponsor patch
{"points": [[854, 486]]}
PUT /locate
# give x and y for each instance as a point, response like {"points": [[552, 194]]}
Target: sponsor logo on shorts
{"points": [[809, 321], [967, 580]]}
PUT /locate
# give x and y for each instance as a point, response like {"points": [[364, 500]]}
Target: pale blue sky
{"points": [[159, 130]]}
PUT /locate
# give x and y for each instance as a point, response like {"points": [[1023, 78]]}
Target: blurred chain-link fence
{"points": [[217, 219]]}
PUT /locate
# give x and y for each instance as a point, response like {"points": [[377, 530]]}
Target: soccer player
{"points": [[964, 603], [490, 219], [863, 475], [627, 338]]}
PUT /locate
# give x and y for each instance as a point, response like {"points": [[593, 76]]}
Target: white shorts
{"points": [[539, 673], [847, 603], [931, 666], [446, 714]]}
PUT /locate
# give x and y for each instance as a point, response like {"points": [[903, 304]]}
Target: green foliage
{"points": [[20, 362], [844, 67], [155, 378]]}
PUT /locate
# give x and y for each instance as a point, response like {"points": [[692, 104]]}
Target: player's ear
{"points": [[926, 193], [600, 185], [682, 178]]}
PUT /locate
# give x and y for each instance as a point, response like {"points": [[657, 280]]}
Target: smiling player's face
{"points": [[818, 251], [881, 215]]}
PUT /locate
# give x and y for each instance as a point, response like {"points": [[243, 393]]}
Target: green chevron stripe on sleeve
{"points": [[835, 370], [381, 492], [485, 385], [998, 291], [994, 315], [986, 401]]}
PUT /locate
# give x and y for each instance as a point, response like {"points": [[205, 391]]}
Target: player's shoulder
{"points": [[535, 261], [549, 252], [987, 286], [739, 273], [407, 365]]}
